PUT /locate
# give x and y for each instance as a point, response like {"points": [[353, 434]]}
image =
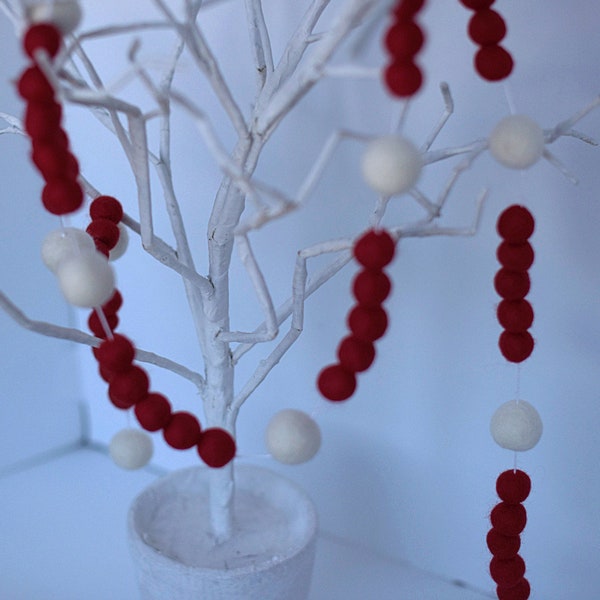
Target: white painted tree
{"points": [[242, 204]]}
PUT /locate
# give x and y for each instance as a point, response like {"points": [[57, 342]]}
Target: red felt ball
{"points": [[42, 120], [183, 431], [336, 383], [216, 447], [516, 347], [34, 86], [507, 573], [493, 62], [367, 324], [403, 40], [403, 78], [104, 231], [508, 519], [512, 285], [374, 249], [355, 355], [370, 287], [407, 9], [42, 36], [102, 247], [62, 196], [516, 257], [116, 354], [513, 486], [54, 161], [129, 387], [97, 328], [486, 27], [477, 4], [515, 315], [106, 207], [153, 412], [105, 373], [503, 546], [114, 304], [515, 224], [520, 591]]}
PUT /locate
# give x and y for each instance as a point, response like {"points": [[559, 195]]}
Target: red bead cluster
{"points": [[515, 225], [508, 519], [50, 152], [128, 383], [367, 320], [403, 40], [487, 29]]}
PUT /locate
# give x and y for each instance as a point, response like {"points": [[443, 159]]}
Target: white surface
{"points": [[407, 467], [63, 531]]}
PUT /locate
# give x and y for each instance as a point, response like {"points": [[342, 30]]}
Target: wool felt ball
{"points": [[515, 315], [216, 447], [493, 62], [403, 78], [182, 431], [355, 354], [129, 387], [96, 326], [116, 354], [42, 120], [34, 86], [477, 4], [512, 285], [515, 257], [122, 244], [336, 383], [507, 573], [43, 36], [131, 449], [64, 243], [391, 165], [371, 287], [513, 486], [403, 40], [517, 142], [516, 346], [106, 207], [374, 249], [515, 224], [86, 280], [153, 412], [292, 437], [520, 591], [54, 161], [105, 374], [105, 231], [503, 546], [62, 196], [508, 519], [64, 14], [366, 323], [486, 27], [516, 425], [115, 302], [405, 10]]}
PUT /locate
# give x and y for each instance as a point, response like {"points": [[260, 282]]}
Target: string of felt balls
{"points": [[80, 262]]}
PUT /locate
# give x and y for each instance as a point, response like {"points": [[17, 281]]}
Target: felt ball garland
{"points": [[367, 319], [79, 259], [403, 40], [487, 29]]}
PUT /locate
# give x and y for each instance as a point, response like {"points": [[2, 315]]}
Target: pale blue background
{"points": [[407, 467]]}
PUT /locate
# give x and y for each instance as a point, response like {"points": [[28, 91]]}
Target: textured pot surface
{"points": [[269, 557]]}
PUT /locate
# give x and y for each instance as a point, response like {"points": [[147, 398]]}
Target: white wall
{"points": [[407, 466]]}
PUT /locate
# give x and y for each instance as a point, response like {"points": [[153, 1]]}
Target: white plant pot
{"points": [[270, 556]]}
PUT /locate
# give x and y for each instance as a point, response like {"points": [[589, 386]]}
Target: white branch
{"points": [[260, 42]]}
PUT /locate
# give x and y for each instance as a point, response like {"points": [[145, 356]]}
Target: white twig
{"points": [[260, 42]]}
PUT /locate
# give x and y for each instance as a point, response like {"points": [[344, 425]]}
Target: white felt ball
{"points": [[86, 280], [131, 449], [292, 437], [122, 244], [65, 243], [517, 142], [391, 165], [516, 425], [65, 14]]}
